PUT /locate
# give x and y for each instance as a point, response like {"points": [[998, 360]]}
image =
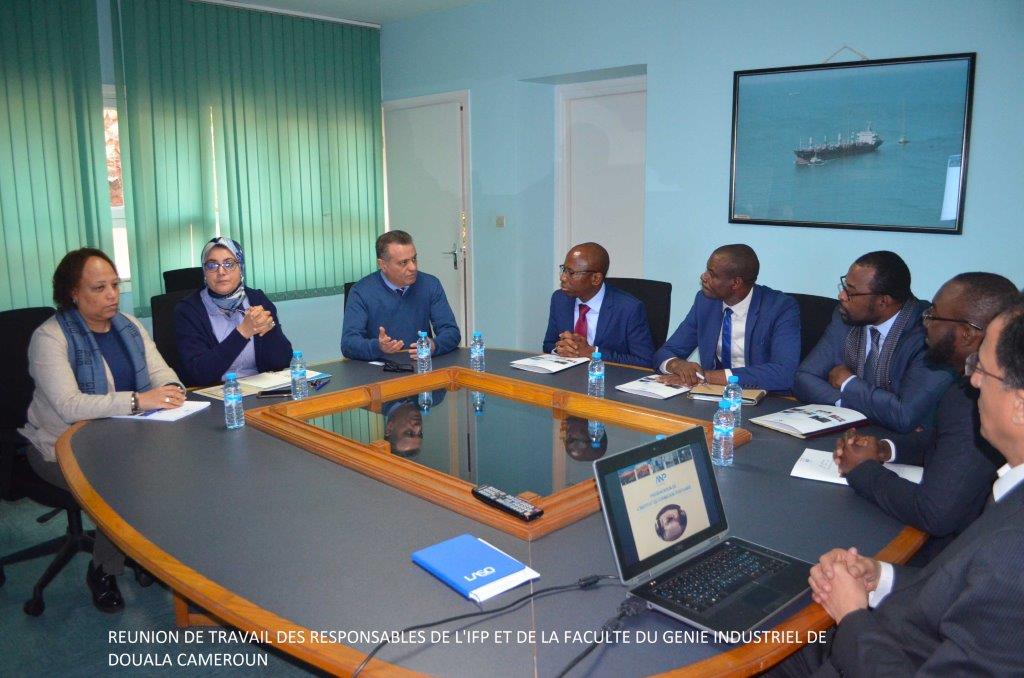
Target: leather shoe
{"points": [[105, 594]]}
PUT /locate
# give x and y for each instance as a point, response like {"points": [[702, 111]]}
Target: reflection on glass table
{"points": [[514, 446]]}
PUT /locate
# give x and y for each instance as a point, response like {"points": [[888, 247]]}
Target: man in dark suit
{"points": [[872, 355], [587, 314], [739, 327], [959, 466], [962, 614]]}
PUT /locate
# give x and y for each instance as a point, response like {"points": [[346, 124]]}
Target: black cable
{"points": [[582, 583], [630, 607]]}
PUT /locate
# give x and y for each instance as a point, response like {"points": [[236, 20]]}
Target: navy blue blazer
{"points": [[771, 347], [623, 335], [204, 359], [915, 388]]}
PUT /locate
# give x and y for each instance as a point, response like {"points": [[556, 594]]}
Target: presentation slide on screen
{"points": [[663, 501]]}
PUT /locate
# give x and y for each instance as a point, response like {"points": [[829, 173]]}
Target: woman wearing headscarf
{"points": [[90, 361], [226, 326]]}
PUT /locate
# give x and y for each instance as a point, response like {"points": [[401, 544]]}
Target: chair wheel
{"points": [[33, 607], [143, 578]]}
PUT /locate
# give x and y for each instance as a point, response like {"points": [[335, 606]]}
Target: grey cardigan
{"points": [[57, 403]]}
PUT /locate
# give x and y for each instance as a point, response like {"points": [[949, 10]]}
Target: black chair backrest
{"points": [[348, 288], [16, 328], [163, 326], [183, 279], [657, 300], [815, 315]]}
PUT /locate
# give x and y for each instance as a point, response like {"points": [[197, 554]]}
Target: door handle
{"points": [[455, 256]]}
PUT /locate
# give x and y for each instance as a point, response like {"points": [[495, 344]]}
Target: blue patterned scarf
{"points": [[86, 359], [233, 301]]}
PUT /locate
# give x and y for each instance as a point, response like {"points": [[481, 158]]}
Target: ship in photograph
{"points": [[866, 141]]}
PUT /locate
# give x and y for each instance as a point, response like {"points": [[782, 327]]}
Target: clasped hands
{"points": [[572, 345], [257, 321], [842, 580], [853, 449], [389, 345]]}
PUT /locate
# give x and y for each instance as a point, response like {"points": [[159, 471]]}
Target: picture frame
{"points": [[874, 144]]}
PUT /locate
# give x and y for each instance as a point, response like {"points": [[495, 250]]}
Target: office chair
{"points": [[16, 475], [657, 300], [815, 315], [183, 279], [163, 326]]}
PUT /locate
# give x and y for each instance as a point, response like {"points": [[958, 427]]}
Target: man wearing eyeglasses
{"points": [[872, 355], [961, 614], [738, 327], [959, 466], [387, 309], [588, 314]]}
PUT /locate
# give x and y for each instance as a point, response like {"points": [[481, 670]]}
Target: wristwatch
{"points": [[135, 403]]}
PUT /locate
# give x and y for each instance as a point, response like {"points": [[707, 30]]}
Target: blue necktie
{"points": [[726, 362], [872, 360]]}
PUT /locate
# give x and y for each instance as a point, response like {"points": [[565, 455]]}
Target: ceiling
{"points": [[368, 11]]}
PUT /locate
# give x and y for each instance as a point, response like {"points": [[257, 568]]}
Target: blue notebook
{"points": [[473, 567]]}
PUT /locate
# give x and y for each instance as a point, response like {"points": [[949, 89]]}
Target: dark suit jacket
{"points": [[959, 469], [622, 335], [771, 340], [961, 615], [204, 359], [914, 389]]}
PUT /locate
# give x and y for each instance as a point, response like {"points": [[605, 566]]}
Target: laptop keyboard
{"points": [[704, 582]]}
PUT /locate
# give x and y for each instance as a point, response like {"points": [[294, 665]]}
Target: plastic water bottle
{"points": [[478, 363], [300, 385], [595, 429], [733, 393], [423, 365], [595, 376], [423, 362], [478, 353], [721, 445], [234, 413]]}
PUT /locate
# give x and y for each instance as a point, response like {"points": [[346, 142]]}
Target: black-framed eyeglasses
{"points": [[843, 288], [565, 270], [228, 265], [929, 316], [392, 366], [973, 364]]}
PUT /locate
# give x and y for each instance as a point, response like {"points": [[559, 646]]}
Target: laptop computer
{"points": [[671, 540]]}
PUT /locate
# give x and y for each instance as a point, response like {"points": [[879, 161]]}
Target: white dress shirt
{"points": [[594, 304], [737, 352], [1009, 478]]}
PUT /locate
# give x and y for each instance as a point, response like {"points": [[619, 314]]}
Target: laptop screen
{"points": [[659, 499]]}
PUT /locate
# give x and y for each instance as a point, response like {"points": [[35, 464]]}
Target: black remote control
{"points": [[508, 503]]}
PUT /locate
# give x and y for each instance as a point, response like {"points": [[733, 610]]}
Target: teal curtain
{"points": [[53, 176], [262, 125]]}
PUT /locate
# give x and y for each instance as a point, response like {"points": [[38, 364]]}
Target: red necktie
{"points": [[581, 322]]}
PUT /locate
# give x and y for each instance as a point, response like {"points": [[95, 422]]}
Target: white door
{"points": [[426, 165], [603, 131]]}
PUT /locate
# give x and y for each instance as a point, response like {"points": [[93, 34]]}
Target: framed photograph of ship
{"points": [[878, 145]]}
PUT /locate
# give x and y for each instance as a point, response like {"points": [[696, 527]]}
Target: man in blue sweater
{"points": [[386, 309]]}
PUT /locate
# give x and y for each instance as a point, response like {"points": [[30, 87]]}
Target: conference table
{"points": [[278, 533]]}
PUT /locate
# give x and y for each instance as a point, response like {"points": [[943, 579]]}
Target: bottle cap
{"points": [[734, 379], [477, 335], [422, 334], [660, 436], [230, 376], [596, 356], [296, 354]]}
